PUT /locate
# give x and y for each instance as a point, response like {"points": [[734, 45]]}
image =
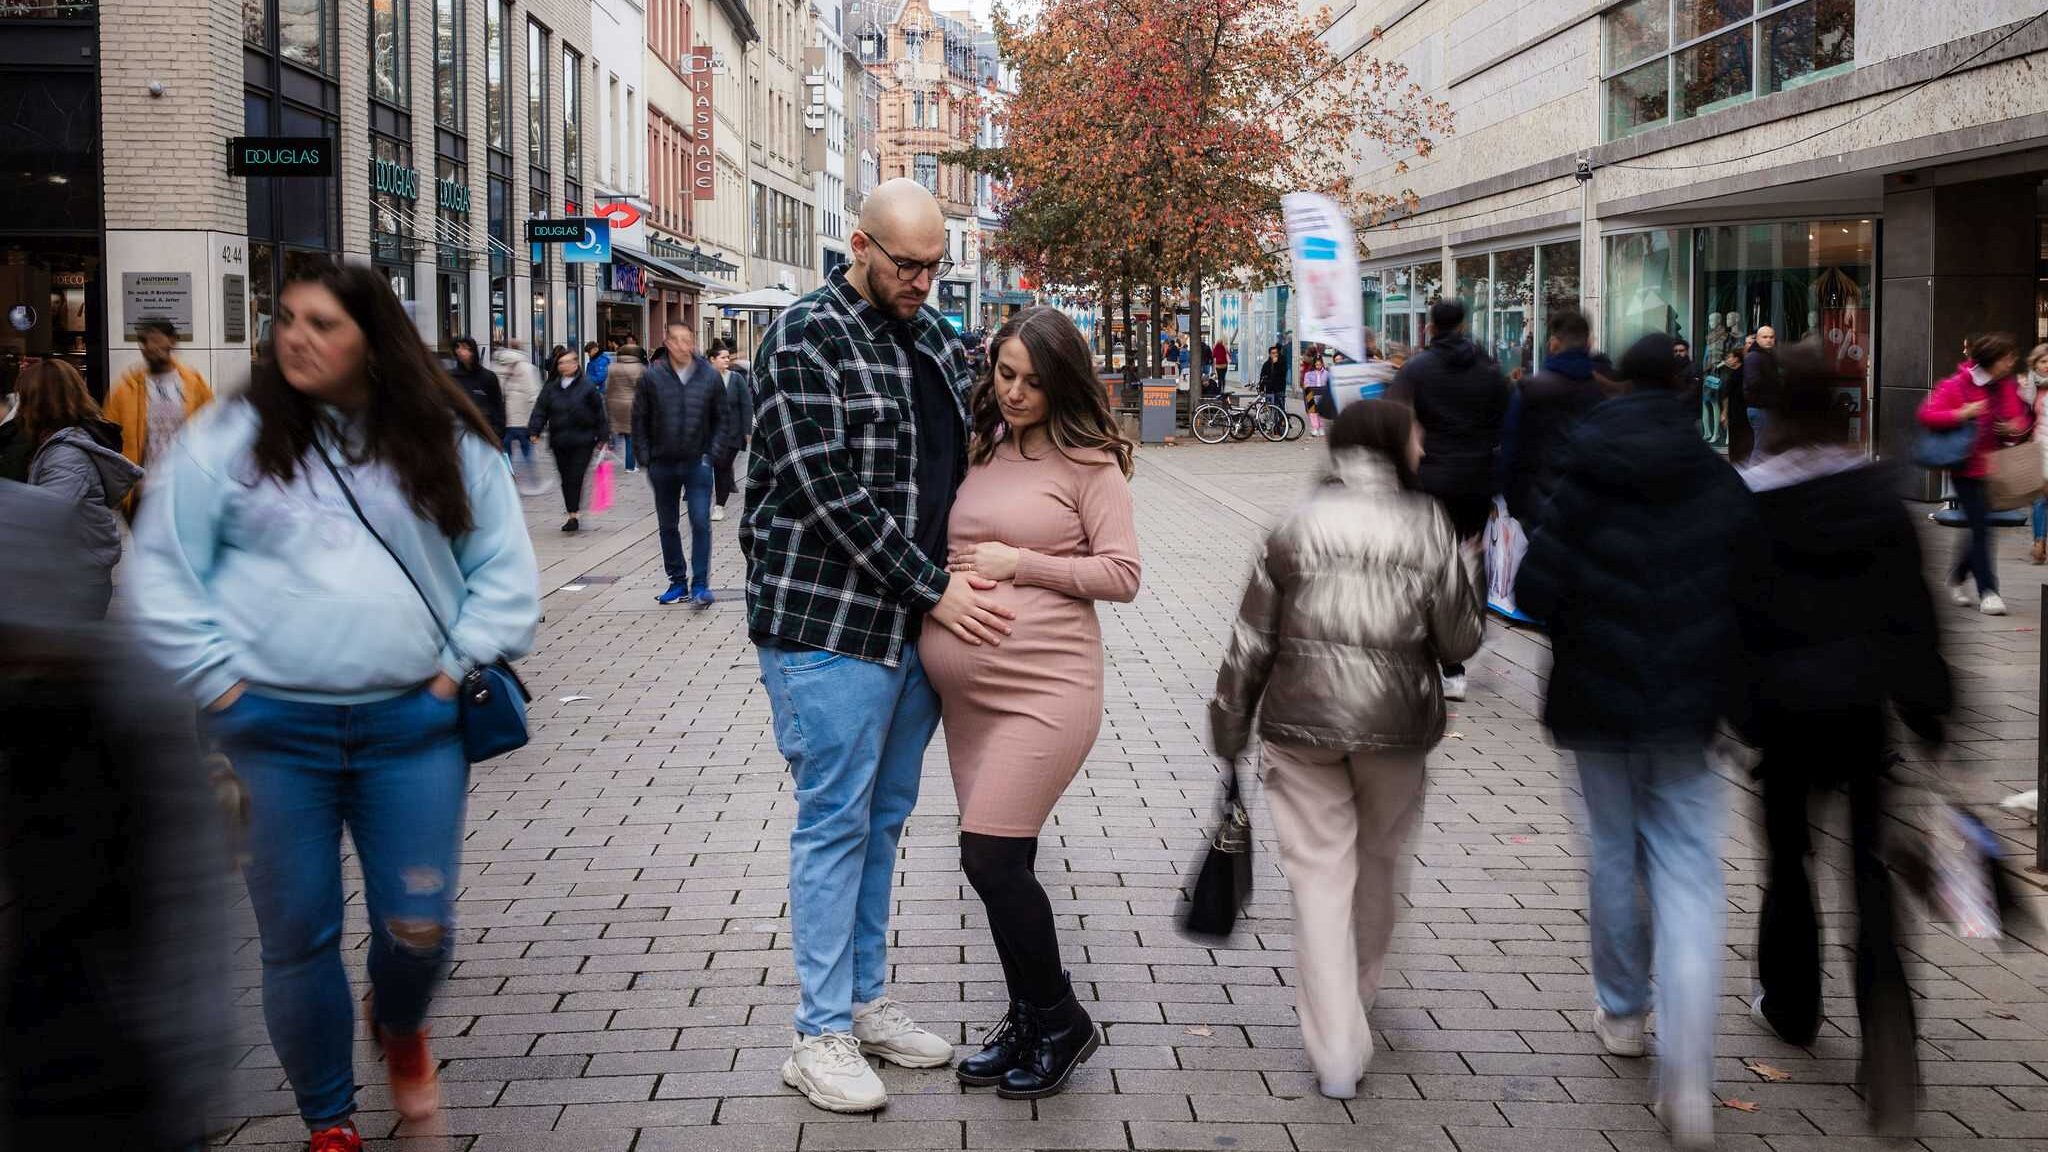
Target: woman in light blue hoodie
{"points": [[322, 670]]}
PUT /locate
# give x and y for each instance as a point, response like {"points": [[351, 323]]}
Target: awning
{"points": [[759, 298], [668, 272]]}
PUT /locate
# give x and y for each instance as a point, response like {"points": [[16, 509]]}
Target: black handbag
{"points": [[1224, 882], [492, 698]]}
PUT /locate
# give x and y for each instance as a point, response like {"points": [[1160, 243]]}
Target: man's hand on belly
{"points": [[966, 613]]}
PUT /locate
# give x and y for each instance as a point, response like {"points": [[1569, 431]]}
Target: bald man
{"points": [[1760, 385], [859, 443]]}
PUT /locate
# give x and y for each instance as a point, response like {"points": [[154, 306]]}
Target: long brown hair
{"points": [[1077, 407], [53, 398], [415, 416]]}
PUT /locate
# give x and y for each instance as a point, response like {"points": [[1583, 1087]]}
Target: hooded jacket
{"points": [[1461, 400], [1631, 571], [85, 464], [1835, 614], [1357, 598], [622, 383], [1541, 417], [519, 380], [680, 419], [484, 391]]}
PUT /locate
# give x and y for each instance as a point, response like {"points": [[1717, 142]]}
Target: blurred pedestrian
{"points": [[2034, 388], [1630, 572], [1760, 384], [1461, 402], [622, 384], [480, 384], [739, 400], [597, 363], [76, 454], [679, 428], [115, 966], [1273, 377], [520, 385], [316, 647], [1045, 512], [859, 445], [1315, 384], [571, 412], [1220, 357], [152, 400], [14, 450], [1690, 378], [1837, 624], [1355, 601], [1544, 411], [1982, 392]]}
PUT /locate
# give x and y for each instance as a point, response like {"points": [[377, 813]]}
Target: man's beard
{"points": [[156, 363], [884, 295]]}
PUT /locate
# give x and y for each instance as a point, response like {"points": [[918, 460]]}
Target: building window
{"points": [[498, 190], [302, 30], [537, 208], [450, 77], [572, 114], [536, 95], [927, 171], [497, 74], [1670, 60], [390, 52], [394, 189]]}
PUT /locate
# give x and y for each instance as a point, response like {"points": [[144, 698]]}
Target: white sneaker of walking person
{"points": [[830, 1071], [717, 512], [1454, 687], [1962, 595], [1620, 1035], [884, 1029], [1992, 605]]}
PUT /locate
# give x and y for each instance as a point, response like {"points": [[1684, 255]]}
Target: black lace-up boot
{"points": [[1000, 1050], [1057, 1040]]}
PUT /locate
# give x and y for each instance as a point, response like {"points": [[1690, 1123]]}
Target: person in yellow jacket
{"points": [[152, 400]]}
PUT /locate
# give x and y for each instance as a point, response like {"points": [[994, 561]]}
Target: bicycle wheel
{"points": [[1296, 427], [1241, 424], [1271, 422], [1211, 424]]}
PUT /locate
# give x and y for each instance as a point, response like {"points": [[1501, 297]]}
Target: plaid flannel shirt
{"points": [[832, 476]]}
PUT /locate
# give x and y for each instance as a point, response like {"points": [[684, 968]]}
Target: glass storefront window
{"points": [[1815, 39], [1475, 288], [1557, 270], [1715, 75], [391, 51], [1649, 285], [389, 212], [1514, 303], [49, 134], [450, 77], [1638, 99]]}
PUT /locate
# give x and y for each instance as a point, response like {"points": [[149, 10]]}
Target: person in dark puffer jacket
{"points": [[680, 427], [1545, 410], [570, 409], [1631, 572], [1461, 402], [1837, 624]]}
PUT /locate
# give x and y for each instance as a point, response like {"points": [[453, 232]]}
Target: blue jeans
{"points": [[2040, 518], [392, 772], [622, 446], [673, 484], [1757, 418], [1973, 556], [854, 733], [1654, 818], [524, 439]]}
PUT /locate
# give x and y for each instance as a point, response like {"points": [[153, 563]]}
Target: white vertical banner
{"points": [[1325, 272]]}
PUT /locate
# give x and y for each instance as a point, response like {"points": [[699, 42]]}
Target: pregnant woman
{"points": [[1046, 512]]}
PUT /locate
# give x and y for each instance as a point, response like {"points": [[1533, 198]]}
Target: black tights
{"points": [[1019, 914]]}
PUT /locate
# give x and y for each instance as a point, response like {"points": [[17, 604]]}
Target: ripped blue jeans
{"points": [[393, 772]]}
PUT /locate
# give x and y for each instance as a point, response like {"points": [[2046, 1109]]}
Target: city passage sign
{"points": [[280, 156], [567, 230]]}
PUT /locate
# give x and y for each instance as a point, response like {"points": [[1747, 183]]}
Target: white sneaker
{"points": [[1992, 605], [1620, 1035], [885, 1030], [718, 512], [1454, 687], [1962, 596], [832, 1073]]}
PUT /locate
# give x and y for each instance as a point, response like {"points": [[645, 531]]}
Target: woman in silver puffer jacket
{"points": [[1356, 600]]}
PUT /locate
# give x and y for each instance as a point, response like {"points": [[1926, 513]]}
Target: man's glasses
{"points": [[907, 270]]}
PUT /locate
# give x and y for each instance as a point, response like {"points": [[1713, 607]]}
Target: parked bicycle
{"points": [[1229, 418]]}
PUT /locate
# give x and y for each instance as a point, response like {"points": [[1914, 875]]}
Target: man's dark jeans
{"points": [[674, 483]]}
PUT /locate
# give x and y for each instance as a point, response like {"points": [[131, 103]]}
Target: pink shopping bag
{"points": [[601, 485]]}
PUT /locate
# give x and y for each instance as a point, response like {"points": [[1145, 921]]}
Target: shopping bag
{"points": [[1952, 866], [1506, 544], [1945, 448], [2015, 477], [1224, 881], [602, 483]]}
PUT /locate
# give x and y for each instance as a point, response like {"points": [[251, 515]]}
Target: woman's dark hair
{"points": [[466, 342], [1806, 412], [1077, 405], [53, 398], [1379, 426], [415, 415], [1988, 348]]}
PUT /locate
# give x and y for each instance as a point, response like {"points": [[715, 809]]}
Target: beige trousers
{"points": [[1343, 822]]}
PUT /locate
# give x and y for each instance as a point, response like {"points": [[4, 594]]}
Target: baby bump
{"points": [[1055, 639]]}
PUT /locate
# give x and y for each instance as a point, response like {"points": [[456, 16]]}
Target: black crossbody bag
{"points": [[492, 698]]}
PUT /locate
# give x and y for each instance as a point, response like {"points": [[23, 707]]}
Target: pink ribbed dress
{"points": [[1020, 718]]}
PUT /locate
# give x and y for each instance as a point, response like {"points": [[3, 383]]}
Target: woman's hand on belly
{"points": [[992, 560]]}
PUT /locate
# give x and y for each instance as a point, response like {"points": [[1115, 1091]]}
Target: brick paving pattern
{"points": [[622, 981]]}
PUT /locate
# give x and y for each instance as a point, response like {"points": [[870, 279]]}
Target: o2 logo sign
{"points": [[621, 215]]}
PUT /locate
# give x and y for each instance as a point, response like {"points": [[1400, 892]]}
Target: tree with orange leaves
{"points": [[1149, 141]]}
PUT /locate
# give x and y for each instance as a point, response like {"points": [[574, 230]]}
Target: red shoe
{"points": [[414, 1073], [340, 1138]]}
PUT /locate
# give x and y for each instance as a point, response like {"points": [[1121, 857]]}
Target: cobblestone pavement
{"points": [[622, 981]]}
